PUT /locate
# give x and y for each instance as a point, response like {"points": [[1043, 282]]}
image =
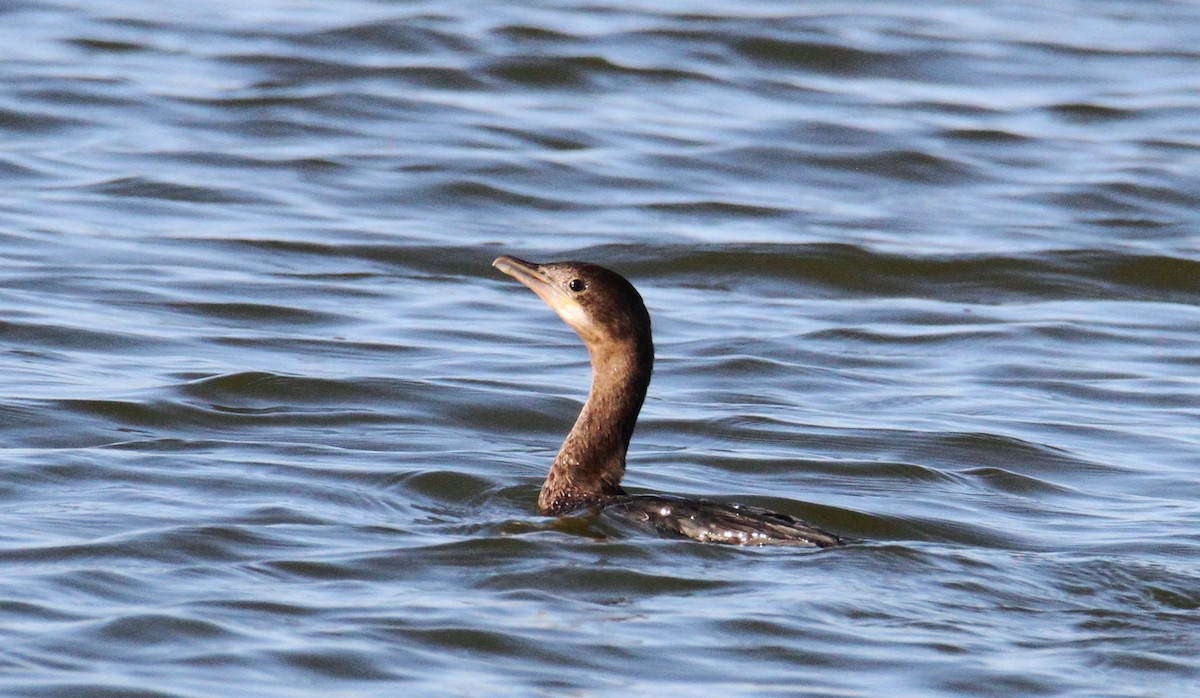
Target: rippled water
{"points": [[927, 274]]}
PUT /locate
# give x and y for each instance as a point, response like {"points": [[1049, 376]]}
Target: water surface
{"points": [[927, 275]]}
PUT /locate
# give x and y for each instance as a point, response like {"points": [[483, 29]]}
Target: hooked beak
{"points": [[540, 283], [532, 276]]}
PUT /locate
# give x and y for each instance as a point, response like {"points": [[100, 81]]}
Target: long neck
{"points": [[590, 463]]}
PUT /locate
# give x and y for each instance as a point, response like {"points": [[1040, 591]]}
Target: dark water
{"points": [[927, 274]]}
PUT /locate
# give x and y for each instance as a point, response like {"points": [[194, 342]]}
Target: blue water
{"points": [[927, 275]]}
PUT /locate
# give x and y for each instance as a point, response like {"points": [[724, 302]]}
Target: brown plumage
{"points": [[608, 314]]}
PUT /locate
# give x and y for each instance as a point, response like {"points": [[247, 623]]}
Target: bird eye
{"points": [[576, 285]]}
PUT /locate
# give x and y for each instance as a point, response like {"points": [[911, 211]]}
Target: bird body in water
{"points": [[608, 314]]}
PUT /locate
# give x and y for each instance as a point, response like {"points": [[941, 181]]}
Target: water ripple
{"points": [[924, 274]]}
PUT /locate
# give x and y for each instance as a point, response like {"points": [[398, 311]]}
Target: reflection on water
{"points": [[924, 275]]}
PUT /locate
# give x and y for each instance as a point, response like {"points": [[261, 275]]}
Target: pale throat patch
{"points": [[571, 312]]}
